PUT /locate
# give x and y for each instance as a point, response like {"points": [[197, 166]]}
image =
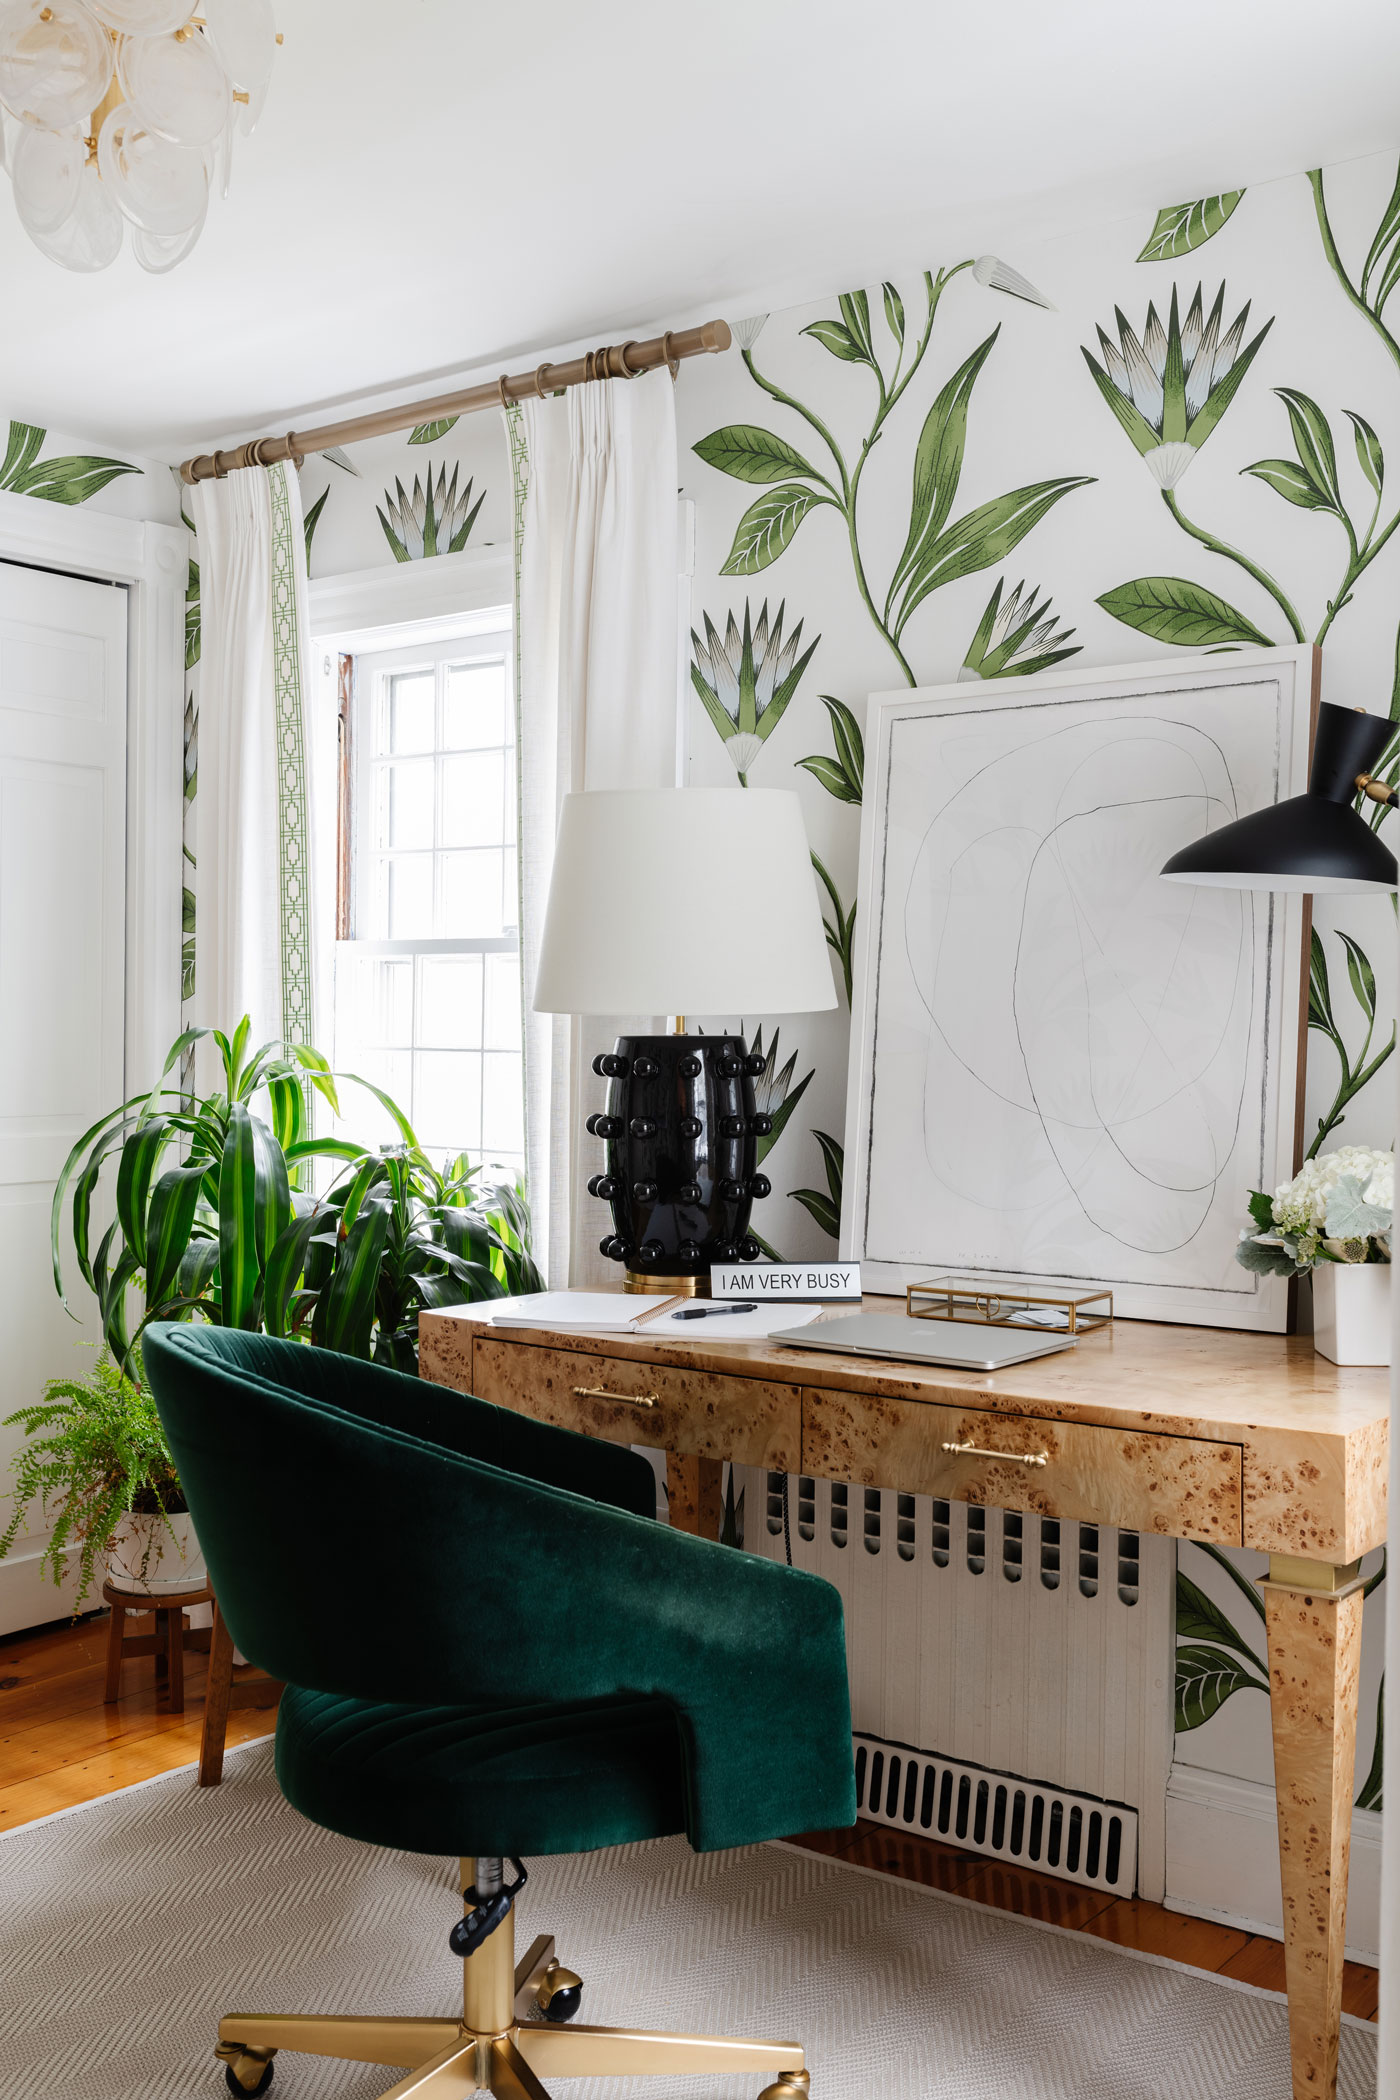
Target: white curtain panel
{"points": [[255, 916], [598, 639]]}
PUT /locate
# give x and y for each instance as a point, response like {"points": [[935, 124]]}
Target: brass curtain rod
{"points": [[616, 361]]}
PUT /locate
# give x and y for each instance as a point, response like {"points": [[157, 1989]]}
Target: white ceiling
{"points": [[441, 188]]}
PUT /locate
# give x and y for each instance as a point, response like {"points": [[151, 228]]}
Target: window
{"points": [[427, 988]]}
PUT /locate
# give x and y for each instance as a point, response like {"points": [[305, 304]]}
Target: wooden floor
{"points": [[60, 1745]]}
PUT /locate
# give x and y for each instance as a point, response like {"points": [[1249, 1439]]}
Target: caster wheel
{"points": [[248, 2065], [560, 1994]]}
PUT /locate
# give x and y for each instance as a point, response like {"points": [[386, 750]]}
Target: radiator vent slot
{"points": [[1005, 1642], [1019, 1820]]}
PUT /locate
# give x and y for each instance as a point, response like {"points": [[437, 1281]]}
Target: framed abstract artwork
{"points": [[1064, 1067]]}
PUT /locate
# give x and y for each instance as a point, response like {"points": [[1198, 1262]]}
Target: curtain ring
{"points": [[501, 390], [669, 354], [540, 371], [627, 371], [297, 457]]}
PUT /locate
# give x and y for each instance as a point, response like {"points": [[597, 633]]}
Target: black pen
{"points": [[705, 1312]]}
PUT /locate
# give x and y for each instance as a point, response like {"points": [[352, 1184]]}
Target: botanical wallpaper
{"points": [[978, 434], [1124, 441]]}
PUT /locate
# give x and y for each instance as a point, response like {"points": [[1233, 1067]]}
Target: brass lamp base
{"points": [[500, 2045], [666, 1286]]}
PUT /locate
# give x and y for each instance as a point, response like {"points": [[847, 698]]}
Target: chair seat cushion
{"points": [[492, 1781]]}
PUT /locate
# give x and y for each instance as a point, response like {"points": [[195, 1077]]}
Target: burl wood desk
{"points": [[1241, 1440]]}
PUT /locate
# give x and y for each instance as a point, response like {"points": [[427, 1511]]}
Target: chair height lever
{"points": [[486, 1913]]}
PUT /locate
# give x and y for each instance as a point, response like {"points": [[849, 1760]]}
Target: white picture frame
{"points": [[1061, 1067]]}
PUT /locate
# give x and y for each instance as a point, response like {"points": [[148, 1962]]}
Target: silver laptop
{"points": [[964, 1345]]}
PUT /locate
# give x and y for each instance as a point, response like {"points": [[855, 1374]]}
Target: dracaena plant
{"points": [[209, 1223]]}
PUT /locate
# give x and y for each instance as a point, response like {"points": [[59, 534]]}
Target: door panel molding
{"points": [[152, 562]]}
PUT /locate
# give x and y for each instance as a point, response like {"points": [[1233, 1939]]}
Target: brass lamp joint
{"points": [[1377, 791]]}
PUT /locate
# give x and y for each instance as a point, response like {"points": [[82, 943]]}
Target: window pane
{"points": [[447, 1099], [410, 913], [502, 1029], [450, 1009], [470, 895], [412, 712], [407, 800], [474, 800], [363, 1118], [475, 714], [503, 1111], [373, 1003]]}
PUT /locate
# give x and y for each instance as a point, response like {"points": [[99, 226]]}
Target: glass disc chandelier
{"points": [[117, 113]]}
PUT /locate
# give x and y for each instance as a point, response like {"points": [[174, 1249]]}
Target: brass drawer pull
{"points": [[601, 1392], [1016, 1458]]}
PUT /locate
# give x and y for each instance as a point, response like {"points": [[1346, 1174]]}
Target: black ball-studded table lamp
{"points": [[673, 902]]}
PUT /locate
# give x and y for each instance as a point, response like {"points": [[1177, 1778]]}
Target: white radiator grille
{"points": [[997, 1642], [1093, 1842]]}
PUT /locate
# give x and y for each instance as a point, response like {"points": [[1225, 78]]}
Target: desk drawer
{"points": [[750, 1420], [1185, 1487]]}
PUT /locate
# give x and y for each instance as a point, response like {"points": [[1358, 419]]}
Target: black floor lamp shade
{"points": [[1314, 842]]}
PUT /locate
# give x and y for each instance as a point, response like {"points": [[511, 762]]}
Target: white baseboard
{"points": [[1222, 1859], [28, 1595]]}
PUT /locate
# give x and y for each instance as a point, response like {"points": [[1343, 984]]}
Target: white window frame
{"points": [[481, 636]]}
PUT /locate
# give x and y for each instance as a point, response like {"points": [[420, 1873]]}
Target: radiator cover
{"points": [[1005, 1648]]}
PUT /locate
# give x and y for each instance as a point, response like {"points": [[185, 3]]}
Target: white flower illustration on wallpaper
{"points": [[435, 520], [1017, 637], [1170, 389], [745, 680]]}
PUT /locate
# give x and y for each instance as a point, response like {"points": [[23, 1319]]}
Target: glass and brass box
{"points": [[1068, 1311]]}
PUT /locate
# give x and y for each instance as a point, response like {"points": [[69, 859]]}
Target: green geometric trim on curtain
{"points": [[293, 801], [520, 480]]}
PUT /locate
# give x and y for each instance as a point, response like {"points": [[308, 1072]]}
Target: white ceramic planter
{"points": [[1351, 1311], [156, 1556]]}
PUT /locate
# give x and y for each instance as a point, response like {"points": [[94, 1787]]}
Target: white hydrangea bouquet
{"points": [[1339, 1209]]}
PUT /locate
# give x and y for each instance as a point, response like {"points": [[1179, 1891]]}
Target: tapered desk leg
{"points": [[694, 1490], [1314, 1620]]}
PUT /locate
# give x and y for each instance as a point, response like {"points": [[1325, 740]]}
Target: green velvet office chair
{"points": [[542, 1668]]}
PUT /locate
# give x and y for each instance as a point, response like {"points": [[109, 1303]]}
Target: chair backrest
{"points": [[338, 1503]]}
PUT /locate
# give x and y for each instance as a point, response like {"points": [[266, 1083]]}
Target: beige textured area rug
{"points": [[128, 1925]]}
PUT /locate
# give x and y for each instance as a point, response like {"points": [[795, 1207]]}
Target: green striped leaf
{"points": [[1205, 1679], [750, 453], [1199, 1618], [983, 537], [239, 1268], [348, 1303], [1173, 609], [140, 1155], [285, 1268], [1182, 227], [767, 528], [429, 433], [169, 1222], [938, 463]]}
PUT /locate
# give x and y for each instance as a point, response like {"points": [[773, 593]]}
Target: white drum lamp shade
{"points": [[683, 901]]}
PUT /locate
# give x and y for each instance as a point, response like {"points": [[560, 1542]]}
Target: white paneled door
{"points": [[62, 976]]}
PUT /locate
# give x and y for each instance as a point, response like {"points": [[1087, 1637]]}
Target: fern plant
{"points": [[94, 1452]]}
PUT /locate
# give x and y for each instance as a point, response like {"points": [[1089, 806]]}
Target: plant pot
{"points": [[156, 1556], [1351, 1311]]}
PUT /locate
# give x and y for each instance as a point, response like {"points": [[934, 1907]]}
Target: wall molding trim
{"points": [[1222, 1858], [353, 606]]}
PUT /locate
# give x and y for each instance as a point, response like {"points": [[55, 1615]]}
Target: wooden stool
{"points": [[168, 1644]]}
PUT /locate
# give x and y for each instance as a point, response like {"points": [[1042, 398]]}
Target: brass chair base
{"points": [[496, 2046]]}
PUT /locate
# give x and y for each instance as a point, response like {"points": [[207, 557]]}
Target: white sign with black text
{"points": [[797, 1282]]}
